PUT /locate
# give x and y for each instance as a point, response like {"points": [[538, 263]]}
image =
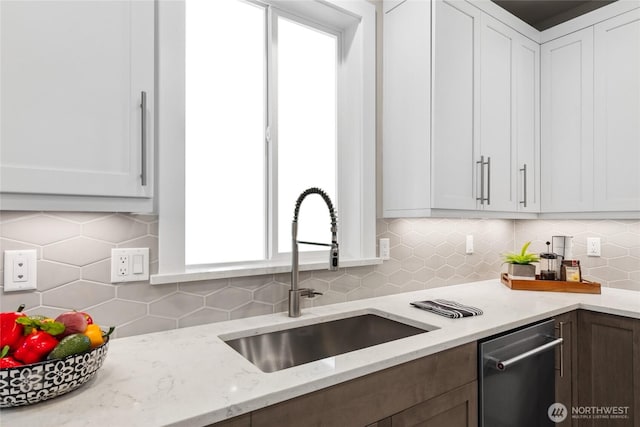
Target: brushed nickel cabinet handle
{"points": [[524, 180], [488, 180], [143, 138], [561, 349], [481, 163]]}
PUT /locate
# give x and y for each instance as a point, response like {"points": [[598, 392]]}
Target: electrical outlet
{"points": [[123, 265], [20, 270], [593, 246], [385, 250], [129, 265]]}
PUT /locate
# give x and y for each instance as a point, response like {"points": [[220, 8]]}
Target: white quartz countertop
{"points": [[190, 377]]}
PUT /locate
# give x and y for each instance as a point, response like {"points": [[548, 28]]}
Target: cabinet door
{"points": [[456, 38], [496, 79], [407, 110], [609, 367], [617, 113], [567, 123], [72, 75], [526, 123], [239, 421], [372, 398], [388, 5], [566, 364], [509, 119], [457, 408]]}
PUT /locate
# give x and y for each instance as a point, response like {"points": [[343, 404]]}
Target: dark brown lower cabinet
{"points": [[456, 408], [608, 370], [566, 364], [239, 421], [424, 392]]}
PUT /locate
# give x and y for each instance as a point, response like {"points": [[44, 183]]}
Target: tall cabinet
{"points": [[77, 98]]}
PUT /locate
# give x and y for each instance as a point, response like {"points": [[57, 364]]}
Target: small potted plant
{"points": [[520, 266]]}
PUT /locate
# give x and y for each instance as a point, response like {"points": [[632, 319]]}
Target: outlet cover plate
{"points": [[593, 247], [20, 270], [129, 264], [385, 248]]}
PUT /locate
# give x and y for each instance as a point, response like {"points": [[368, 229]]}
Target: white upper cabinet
{"points": [[496, 50], [454, 141], [509, 103], [525, 132], [388, 5], [461, 140], [617, 113], [74, 78], [407, 110], [567, 123]]}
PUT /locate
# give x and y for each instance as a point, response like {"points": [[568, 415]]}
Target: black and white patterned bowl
{"points": [[29, 384]]}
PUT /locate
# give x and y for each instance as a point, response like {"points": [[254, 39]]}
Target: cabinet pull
{"points": [[143, 138], [482, 163], [488, 180], [524, 180], [561, 336]]}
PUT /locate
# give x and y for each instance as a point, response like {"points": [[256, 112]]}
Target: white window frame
{"points": [[354, 20], [273, 254]]}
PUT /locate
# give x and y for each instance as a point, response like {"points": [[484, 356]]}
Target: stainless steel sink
{"points": [[279, 350]]}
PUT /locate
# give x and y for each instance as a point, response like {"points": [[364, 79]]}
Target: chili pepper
{"points": [[10, 330], [35, 347], [96, 335], [7, 361]]}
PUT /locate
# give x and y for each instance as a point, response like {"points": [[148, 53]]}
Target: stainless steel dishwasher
{"points": [[517, 377]]}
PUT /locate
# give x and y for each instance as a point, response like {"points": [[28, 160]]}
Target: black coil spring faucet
{"points": [[294, 292]]}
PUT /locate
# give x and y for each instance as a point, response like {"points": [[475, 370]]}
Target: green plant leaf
{"points": [[31, 323], [522, 258]]}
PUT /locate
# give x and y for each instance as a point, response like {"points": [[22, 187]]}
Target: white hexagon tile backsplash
{"points": [[74, 259]]}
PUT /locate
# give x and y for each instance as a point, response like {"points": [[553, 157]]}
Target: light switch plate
{"points": [[20, 270], [469, 244], [385, 249], [129, 265]]}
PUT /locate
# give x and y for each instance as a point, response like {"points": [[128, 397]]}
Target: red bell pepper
{"points": [[35, 347], [10, 330], [7, 361]]}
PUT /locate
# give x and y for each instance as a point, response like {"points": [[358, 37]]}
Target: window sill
{"points": [[253, 269]]}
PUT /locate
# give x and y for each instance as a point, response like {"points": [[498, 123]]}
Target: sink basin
{"points": [[279, 350]]}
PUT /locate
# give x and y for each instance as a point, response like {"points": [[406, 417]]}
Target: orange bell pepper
{"points": [[97, 335]]}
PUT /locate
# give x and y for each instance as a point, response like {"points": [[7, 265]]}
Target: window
{"points": [[278, 96], [226, 118]]}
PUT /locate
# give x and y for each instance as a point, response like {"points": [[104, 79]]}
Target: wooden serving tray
{"points": [[583, 287]]}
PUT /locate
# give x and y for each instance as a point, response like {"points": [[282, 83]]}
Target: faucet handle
{"points": [[309, 293]]}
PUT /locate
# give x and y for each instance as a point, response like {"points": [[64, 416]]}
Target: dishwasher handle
{"points": [[502, 365]]}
